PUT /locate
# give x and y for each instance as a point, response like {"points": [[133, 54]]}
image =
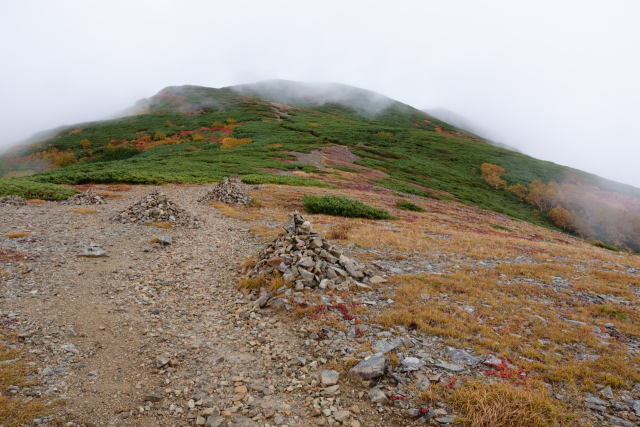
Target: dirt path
{"points": [[149, 335]]}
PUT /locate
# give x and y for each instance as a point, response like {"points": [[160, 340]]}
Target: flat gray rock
{"points": [[449, 366], [462, 356], [371, 367], [93, 251]]}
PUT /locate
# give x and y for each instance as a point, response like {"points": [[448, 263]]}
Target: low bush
{"points": [[284, 180], [342, 206], [28, 189], [505, 404], [408, 206]]}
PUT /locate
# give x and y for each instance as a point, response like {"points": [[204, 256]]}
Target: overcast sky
{"points": [[559, 80]]}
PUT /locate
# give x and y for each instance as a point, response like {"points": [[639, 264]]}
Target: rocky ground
{"points": [[147, 327], [155, 334]]}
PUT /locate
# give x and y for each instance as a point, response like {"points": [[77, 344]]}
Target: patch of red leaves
{"points": [[323, 310], [9, 255], [506, 370]]}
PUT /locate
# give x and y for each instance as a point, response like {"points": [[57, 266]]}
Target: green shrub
{"points": [[28, 189], [606, 246], [342, 206], [118, 154], [501, 227], [406, 188], [408, 206], [284, 180]]}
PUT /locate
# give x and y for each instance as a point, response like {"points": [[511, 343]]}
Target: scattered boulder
{"points": [[385, 345], [155, 207], [12, 201], [464, 357], [152, 397], [70, 348], [305, 258], [88, 197], [449, 366], [164, 240], [371, 367], [228, 191], [93, 251], [329, 377]]}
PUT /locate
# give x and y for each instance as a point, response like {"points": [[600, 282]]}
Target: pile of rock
{"points": [[155, 207], [304, 257], [88, 197], [227, 191], [12, 201]]}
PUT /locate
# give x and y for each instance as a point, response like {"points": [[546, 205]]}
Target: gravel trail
{"points": [[149, 335]]}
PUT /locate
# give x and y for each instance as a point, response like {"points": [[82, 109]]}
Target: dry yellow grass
{"points": [[18, 235], [268, 282], [518, 304], [36, 201], [505, 405], [118, 187], [242, 213], [83, 211], [13, 370], [108, 195], [159, 224]]}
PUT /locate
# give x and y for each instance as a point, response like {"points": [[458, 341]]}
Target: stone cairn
{"points": [[306, 259], [12, 201], [88, 197], [227, 191], [155, 207]]}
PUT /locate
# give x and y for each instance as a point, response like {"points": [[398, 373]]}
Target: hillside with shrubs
{"points": [[267, 132]]}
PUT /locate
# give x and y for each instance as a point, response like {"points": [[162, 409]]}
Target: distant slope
{"points": [[200, 134], [464, 124]]}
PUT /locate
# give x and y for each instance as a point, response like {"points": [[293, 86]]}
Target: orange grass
{"points": [[83, 211], [18, 235]]}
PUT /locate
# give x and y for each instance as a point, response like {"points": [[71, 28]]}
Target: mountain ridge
{"points": [[281, 131]]}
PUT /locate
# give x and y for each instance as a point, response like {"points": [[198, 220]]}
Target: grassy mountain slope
{"points": [[199, 134]]}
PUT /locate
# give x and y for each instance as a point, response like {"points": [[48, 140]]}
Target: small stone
{"points": [[331, 390], [93, 251], [376, 280], [376, 395], [342, 416], [413, 412], [215, 421], [445, 420], [411, 364], [326, 284], [329, 377], [162, 361], [423, 383], [164, 240], [70, 348], [152, 397], [607, 392]]}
